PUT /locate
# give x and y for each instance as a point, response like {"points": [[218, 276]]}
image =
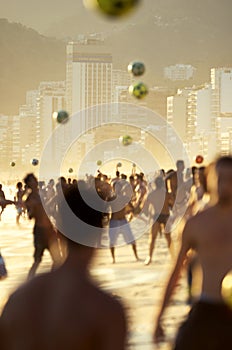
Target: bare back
{"points": [[211, 235], [64, 310]]}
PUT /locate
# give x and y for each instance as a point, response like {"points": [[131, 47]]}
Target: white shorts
{"points": [[120, 226]]}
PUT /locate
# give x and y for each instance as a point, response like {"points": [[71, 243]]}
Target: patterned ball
{"points": [[62, 117], [70, 170], [126, 140], [113, 8], [99, 162], [34, 161], [12, 164], [136, 68], [138, 90]]}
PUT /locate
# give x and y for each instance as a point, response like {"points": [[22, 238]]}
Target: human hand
{"points": [[159, 333]]}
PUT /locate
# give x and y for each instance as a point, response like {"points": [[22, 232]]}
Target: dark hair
{"points": [[225, 160], [27, 178], [79, 199]]}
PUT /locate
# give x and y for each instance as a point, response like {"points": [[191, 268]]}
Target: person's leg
{"points": [[113, 234], [153, 234], [129, 237], [134, 248], [38, 253]]}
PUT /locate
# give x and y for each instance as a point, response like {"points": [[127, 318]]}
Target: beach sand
{"points": [[139, 287]]}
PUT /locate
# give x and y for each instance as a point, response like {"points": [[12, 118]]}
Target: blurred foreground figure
{"points": [[63, 309], [209, 233]]}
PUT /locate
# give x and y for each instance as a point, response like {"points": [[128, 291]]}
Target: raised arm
{"points": [[185, 246]]}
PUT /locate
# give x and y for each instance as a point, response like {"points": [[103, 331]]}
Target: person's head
{"points": [[0, 186], [51, 183], [224, 179], [117, 173], [31, 181], [82, 201], [19, 185], [123, 176], [180, 165]]}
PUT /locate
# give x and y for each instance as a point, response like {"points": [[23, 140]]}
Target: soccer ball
{"points": [[34, 161], [199, 159], [126, 140], [136, 68], [112, 8], [99, 162], [138, 90], [70, 170], [12, 164], [62, 117], [119, 165]]}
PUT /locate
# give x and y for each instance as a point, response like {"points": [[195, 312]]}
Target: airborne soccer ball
{"points": [[112, 8], [199, 159], [70, 170], [12, 164], [138, 90], [62, 117], [119, 165], [34, 161], [136, 68], [126, 140], [99, 162]]}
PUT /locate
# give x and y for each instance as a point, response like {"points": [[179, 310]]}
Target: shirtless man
{"points": [[158, 202], [45, 236], [64, 309], [209, 233], [118, 220]]}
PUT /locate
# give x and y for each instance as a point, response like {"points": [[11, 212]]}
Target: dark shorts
{"points": [[44, 238], [161, 218], [208, 327]]}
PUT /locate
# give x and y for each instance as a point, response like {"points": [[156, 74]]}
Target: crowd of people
{"points": [[198, 199]]}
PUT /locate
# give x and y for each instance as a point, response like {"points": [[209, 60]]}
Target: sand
{"points": [[139, 287]]}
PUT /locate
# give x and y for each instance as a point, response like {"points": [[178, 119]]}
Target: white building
{"points": [[88, 76], [179, 72]]}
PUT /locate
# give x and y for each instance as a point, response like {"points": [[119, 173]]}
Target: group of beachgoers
{"points": [[64, 309]]}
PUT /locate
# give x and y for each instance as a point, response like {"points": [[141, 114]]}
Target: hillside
{"points": [[160, 32], [26, 59]]}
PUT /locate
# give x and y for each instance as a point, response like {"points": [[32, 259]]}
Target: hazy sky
{"points": [[38, 14]]}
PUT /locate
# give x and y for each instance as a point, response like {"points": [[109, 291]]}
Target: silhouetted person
{"points": [[209, 233], [44, 234], [64, 309]]}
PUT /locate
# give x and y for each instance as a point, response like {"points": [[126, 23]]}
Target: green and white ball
{"points": [[113, 8], [126, 140], [62, 117], [138, 90], [136, 68]]}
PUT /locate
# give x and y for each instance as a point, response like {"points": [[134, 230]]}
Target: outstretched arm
{"points": [[185, 246]]}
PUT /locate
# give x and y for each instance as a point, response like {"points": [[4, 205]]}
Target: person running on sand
{"points": [[45, 236], [209, 233], [64, 309]]}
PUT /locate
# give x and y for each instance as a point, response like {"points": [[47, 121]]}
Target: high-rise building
{"points": [[88, 76], [51, 99], [88, 84]]}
